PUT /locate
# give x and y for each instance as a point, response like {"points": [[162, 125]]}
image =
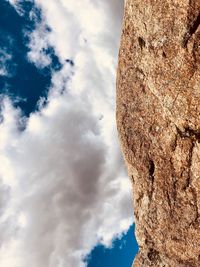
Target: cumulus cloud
{"points": [[64, 186], [38, 44]]}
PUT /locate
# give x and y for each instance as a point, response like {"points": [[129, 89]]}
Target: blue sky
{"points": [[65, 191], [34, 82], [121, 253]]}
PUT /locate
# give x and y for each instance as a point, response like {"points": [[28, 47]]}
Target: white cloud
{"points": [[5, 60], [65, 185], [38, 44]]}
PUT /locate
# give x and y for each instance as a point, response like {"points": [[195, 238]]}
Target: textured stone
{"points": [[158, 120]]}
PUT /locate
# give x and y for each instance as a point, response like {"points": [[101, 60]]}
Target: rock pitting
{"points": [[158, 120]]}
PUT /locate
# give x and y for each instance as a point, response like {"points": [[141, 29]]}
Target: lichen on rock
{"points": [[158, 120]]}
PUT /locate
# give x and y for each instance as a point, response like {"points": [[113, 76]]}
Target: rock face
{"points": [[158, 118]]}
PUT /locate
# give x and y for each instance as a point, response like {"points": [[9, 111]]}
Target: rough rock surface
{"points": [[158, 118]]}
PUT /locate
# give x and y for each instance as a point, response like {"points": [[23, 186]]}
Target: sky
{"points": [[65, 197]]}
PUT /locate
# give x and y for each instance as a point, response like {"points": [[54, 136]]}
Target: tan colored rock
{"points": [[158, 118]]}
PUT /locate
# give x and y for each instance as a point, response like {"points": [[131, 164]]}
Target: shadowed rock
{"points": [[158, 120]]}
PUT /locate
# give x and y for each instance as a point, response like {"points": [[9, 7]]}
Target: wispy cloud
{"points": [[7, 67], [64, 185]]}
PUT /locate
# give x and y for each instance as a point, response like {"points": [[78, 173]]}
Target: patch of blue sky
{"points": [[121, 253], [19, 77]]}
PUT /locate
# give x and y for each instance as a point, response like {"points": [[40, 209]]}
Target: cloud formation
{"points": [[63, 184], [7, 66]]}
